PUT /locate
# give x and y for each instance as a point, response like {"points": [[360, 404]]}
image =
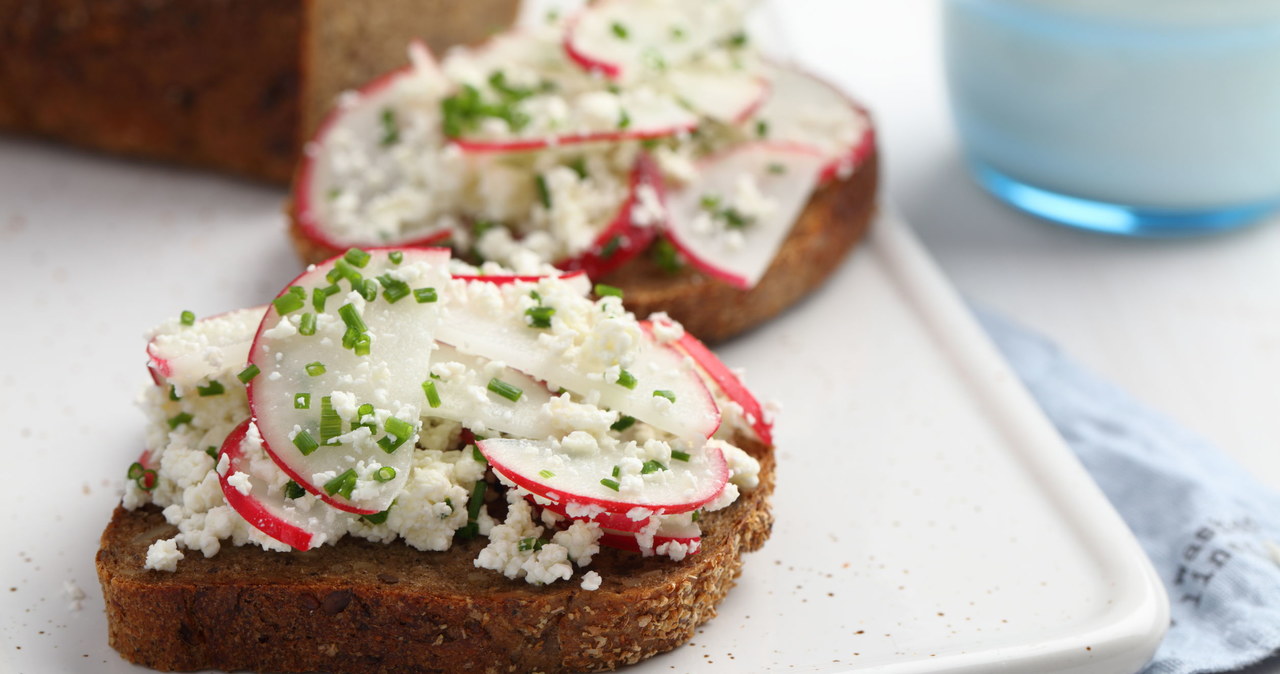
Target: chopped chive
{"points": [[738, 39], [623, 423], [390, 443], [469, 531], [214, 388], [776, 168], [620, 31], [135, 471], [505, 390], [377, 518], [540, 317], [307, 324], [433, 396], [697, 515], [212, 452], [651, 466], [350, 337], [356, 257], [710, 202], [333, 193], [679, 455], [315, 369], [677, 33], [477, 454], [320, 295], [449, 502], [617, 471], [396, 256], [148, 480], [544, 193], [425, 295], [663, 393], [611, 246], [330, 422], [173, 393], [342, 269], [627, 380], [624, 120], [305, 443], [362, 345], [579, 166], [546, 474], [665, 255], [762, 128], [385, 474], [603, 290], [476, 502], [364, 410], [179, 419], [289, 302], [187, 318], [293, 490], [532, 543], [399, 428], [612, 484], [393, 290], [368, 289], [246, 375], [302, 401], [343, 484], [390, 129]]}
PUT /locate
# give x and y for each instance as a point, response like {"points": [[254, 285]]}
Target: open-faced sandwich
{"points": [[407, 463], [646, 142]]}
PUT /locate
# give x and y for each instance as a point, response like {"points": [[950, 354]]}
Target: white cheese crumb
{"points": [[591, 581], [241, 482], [163, 555]]}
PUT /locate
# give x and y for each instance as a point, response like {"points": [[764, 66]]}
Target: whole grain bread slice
{"points": [[366, 607], [836, 218]]}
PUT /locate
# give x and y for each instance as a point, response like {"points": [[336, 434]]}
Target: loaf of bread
{"points": [[367, 607], [233, 85]]}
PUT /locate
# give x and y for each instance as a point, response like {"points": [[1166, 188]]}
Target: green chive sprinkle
{"points": [[377, 518], [293, 490], [663, 393], [679, 455], [188, 318], [302, 401], [623, 423], [393, 290], [212, 452], [390, 129], [738, 39], [385, 474], [534, 544], [505, 390], [620, 31], [624, 120], [611, 246], [477, 454], [603, 290], [433, 396], [399, 428], [697, 515], [320, 295], [179, 419], [148, 480], [368, 289], [579, 166], [396, 256], [651, 466], [343, 484], [173, 393], [476, 502], [540, 317], [289, 302], [710, 202], [135, 471], [544, 193], [546, 474], [330, 422], [246, 375], [342, 269], [364, 410], [762, 128], [665, 255], [305, 443], [677, 33], [315, 369], [357, 257], [307, 324], [627, 380], [617, 471], [612, 484], [777, 169], [425, 295], [362, 345], [214, 388]]}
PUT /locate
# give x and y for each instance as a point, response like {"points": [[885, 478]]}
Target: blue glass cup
{"points": [[1138, 117]]}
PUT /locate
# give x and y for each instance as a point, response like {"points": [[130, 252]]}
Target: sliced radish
{"points": [[299, 372], [463, 393], [688, 535], [212, 348], [577, 279], [805, 110], [627, 39], [728, 96], [731, 220], [632, 229], [728, 383], [588, 360], [608, 520], [298, 523], [359, 118], [546, 470]]}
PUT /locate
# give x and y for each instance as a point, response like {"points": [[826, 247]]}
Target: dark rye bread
{"points": [[835, 219], [365, 607], [234, 85]]}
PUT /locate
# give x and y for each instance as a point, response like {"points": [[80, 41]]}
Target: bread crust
{"points": [[836, 218], [364, 607]]}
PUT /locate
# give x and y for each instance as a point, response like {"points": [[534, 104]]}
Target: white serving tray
{"points": [[928, 517]]}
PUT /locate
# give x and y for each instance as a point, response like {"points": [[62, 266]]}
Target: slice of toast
{"points": [[366, 607], [836, 218]]}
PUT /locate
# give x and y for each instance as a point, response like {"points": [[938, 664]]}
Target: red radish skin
{"points": [[627, 542], [632, 237], [719, 469], [504, 279], [251, 509], [159, 367], [607, 520]]}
